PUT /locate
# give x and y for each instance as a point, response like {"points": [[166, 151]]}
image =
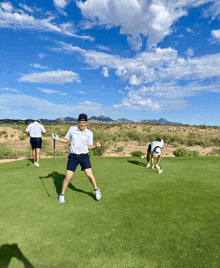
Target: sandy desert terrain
{"points": [[12, 140]]}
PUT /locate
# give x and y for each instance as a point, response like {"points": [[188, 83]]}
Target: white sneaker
{"points": [[37, 165], [148, 165], [98, 194], [61, 198], [157, 167]]}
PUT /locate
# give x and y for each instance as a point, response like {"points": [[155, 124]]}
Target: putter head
{"points": [[160, 171], [142, 156]]}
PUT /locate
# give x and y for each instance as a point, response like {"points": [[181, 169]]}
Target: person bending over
{"points": [[155, 147]]}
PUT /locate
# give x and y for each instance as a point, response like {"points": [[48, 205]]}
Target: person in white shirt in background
{"points": [[81, 141], [155, 147], [34, 131]]}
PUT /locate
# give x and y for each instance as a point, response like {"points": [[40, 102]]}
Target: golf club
{"points": [[54, 147], [142, 156]]}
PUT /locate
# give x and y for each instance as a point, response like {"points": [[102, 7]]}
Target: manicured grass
{"points": [[143, 219]]}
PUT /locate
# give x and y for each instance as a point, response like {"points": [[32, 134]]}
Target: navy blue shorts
{"points": [[75, 160], [36, 143], [149, 148]]}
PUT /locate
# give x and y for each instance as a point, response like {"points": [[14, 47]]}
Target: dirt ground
{"points": [[12, 139]]}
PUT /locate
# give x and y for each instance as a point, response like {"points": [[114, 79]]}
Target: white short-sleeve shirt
{"points": [[155, 144], [79, 140], [35, 130]]}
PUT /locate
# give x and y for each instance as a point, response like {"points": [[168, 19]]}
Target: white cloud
{"points": [[213, 11], [147, 67], [134, 101], [140, 19], [6, 6], [87, 107], [32, 105], [105, 71], [216, 34], [103, 48], [38, 66], [27, 8], [163, 96], [61, 3], [25, 102], [9, 89], [50, 91], [18, 19], [41, 55], [152, 19], [53, 77], [190, 52], [188, 30]]}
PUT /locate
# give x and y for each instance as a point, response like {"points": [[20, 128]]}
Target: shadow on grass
{"points": [[58, 182], [7, 252], [135, 162], [31, 160]]}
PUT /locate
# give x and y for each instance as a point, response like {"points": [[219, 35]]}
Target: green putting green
{"points": [[143, 219]]}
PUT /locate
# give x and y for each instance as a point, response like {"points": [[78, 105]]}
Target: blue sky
{"points": [[133, 59]]}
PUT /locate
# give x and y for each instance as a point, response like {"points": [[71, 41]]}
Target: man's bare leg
{"points": [[91, 177], [38, 155], [69, 175], [34, 154], [152, 161]]}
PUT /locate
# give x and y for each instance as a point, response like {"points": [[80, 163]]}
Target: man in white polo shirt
{"points": [[35, 130], [155, 147], [81, 141]]}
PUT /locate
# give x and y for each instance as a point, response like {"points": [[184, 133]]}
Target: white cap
{"points": [[157, 150]]}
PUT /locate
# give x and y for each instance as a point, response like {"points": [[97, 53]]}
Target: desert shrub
{"points": [[148, 129], [195, 153], [133, 135], [58, 153], [47, 147], [22, 137], [120, 148], [137, 153], [215, 151], [184, 152], [175, 144], [203, 127], [100, 135], [120, 135], [216, 140], [3, 132], [7, 153], [99, 150]]}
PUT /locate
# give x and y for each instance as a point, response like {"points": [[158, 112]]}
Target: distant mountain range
{"points": [[93, 119]]}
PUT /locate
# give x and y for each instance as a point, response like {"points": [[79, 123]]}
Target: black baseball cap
{"points": [[82, 117]]}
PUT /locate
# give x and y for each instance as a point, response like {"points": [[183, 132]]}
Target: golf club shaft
{"points": [[54, 148]]}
